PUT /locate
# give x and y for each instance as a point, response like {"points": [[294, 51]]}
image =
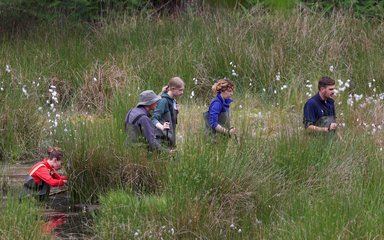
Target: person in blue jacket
{"points": [[217, 118]]}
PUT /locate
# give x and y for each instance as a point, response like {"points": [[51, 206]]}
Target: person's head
{"points": [[148, 99], [326, 88], [55, 157], [225, 87], [175, 87]]}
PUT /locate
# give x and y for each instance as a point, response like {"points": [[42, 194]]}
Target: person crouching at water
{"points": [[42, 176], [217, 118]]}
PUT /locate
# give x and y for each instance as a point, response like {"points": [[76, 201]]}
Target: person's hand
{"points": [[232, 131], [65, 181], [333, 126], [164, 89], [165, 125]]}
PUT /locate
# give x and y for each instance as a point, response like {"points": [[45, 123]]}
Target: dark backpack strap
{"points": [[171, 109], [137, 118], [134, 120]]}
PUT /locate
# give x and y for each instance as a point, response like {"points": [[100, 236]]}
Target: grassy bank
{"points": [[72, 85], [21, 219]]}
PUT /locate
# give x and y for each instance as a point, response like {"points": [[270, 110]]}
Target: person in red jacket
{"points": [[42, 176]]}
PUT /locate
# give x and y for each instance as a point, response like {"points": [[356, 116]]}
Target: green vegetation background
{"points": [[278, 183]]}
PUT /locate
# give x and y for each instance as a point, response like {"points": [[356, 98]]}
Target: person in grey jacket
{"points": [[138, 123], [165, 115]]}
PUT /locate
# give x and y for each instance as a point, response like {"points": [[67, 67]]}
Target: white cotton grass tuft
{"points": [[233, 71], [8, 68], [24, 90], [278, 76]]}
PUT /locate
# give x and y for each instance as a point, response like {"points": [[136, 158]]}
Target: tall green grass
{"points": [[287, 187], [277, 183], [21, 219], [91, 64]]}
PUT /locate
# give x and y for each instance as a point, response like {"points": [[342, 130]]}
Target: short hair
{"points": [[55, 152], [223, 85], [325, 81], [176, 82]]}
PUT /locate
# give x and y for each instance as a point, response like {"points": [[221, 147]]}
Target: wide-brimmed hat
{"points": [[148, 97]]}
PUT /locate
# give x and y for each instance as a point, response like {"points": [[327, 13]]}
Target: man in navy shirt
{"points": [[319, 110]]}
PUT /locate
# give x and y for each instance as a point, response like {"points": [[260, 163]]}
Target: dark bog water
{"points": [[68, 221]]}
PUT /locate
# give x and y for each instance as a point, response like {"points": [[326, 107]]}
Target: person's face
{"points": [[177, 92], [328, 92], [57, 164], [227, 93], [152, 106]]}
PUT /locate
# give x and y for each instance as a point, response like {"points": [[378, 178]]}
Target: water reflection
{"points": [[67, 221]]}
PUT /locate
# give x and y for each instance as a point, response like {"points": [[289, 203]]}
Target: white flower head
{"points": [[331, 68], [24, 89], [358, 97], [8, 68], [278, 76]]}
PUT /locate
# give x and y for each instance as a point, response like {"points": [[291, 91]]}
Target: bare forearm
{"points": [[313, 128]]}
